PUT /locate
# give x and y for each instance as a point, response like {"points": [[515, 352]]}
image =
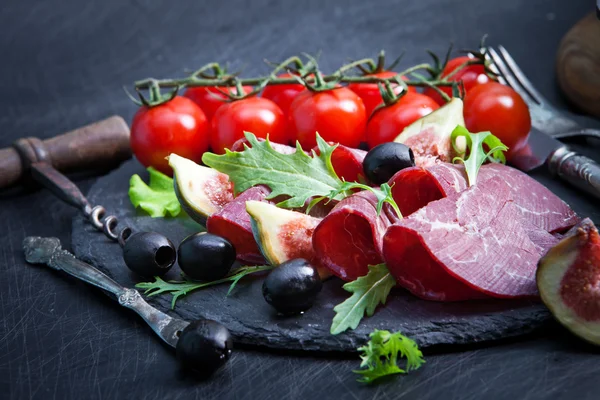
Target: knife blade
{"points": [[575, 169], [536, 152]]}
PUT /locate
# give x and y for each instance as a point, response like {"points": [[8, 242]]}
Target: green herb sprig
{"points": [[380, 356], [367, 293], [181, 288], [476, 148], [383, 195]]}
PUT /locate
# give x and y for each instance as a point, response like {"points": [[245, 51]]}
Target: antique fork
{"points": [[548, 125], [544, 116]]}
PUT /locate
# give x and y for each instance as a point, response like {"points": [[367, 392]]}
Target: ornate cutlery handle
{"points": [[48, 251], [580, 171]]}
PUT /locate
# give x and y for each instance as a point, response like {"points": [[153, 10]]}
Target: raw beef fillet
{"points": [[233, 223], [413, 188], [468, 245], [349, 238]]}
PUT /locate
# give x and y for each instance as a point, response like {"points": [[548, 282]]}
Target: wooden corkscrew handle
{"points": [[99, 145]]}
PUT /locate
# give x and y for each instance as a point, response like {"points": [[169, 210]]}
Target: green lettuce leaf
{"points": [[367, 293], [296, 175], [158, 198], [380, 355]]}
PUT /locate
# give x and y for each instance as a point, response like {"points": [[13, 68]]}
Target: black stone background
{"points": [[64, 63]]}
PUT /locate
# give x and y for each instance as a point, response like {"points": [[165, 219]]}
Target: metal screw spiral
{"points": [[106, 224]]}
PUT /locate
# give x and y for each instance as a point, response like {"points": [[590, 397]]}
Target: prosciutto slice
{"points": [[350, 237], [469, 245], [413, 188], [233, 223]]}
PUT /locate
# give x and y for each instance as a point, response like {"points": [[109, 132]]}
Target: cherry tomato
{"points": [[177, 126], [258, 115], [283, 95], [499, 109], [388, 122], [338, 115], [471, 75], [370, 94], [209, 98]]}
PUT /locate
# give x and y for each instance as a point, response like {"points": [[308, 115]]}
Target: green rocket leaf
{"points": [[298, 176], [477, 151], [367, 293]]}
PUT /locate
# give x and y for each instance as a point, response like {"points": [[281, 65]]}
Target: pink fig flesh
{"points": [[568, 279]]}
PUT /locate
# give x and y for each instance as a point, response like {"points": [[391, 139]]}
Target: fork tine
{"points": [[494, 68], [520, 75], [510, 77]]}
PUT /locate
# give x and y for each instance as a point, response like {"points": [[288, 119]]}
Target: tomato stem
{"points": [[380, 62], [306, 73]]}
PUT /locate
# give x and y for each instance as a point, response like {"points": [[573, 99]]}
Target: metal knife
{"points": [[578, 170]]}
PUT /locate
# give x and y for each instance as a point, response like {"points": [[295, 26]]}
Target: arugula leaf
{"points": [[383, 194], [296, 175], [158, 198], [367, 292], [380, 355], [477, 155], [181, 288]]}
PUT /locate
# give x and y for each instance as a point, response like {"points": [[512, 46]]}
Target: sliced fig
{"points": [[283, 235], [429, 137], [568, 279], [202, 191]]}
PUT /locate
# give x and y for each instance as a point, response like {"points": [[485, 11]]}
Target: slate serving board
{"points": [[252, 321]]}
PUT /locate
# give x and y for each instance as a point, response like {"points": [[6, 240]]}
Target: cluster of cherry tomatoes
{"points": [[204, 118]]}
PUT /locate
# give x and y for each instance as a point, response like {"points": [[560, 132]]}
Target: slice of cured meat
{"points": [[233, 223], [413, 188], [467, 245], [346, 161], [349, 238]]}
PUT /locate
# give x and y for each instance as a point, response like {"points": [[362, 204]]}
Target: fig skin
{"points": [[201, 191], [576, 257]]}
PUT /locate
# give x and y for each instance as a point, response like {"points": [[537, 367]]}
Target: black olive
{"points": [[292, 287], [204, 346], [384, 160], [149, 254], [206, 257]]}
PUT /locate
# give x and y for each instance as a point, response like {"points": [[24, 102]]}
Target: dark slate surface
{"points": [[64, 63], [252, 321]]}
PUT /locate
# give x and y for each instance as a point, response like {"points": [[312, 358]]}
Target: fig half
{"points": [[568, 279], [201, 191], [283, 235], [429, 136]]}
